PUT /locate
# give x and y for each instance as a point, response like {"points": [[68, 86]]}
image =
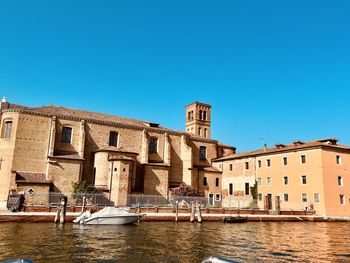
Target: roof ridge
{"points": [[89, 111]]}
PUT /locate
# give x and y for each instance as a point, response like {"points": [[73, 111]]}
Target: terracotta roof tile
{"points": [[296, 145], [57, 110]]}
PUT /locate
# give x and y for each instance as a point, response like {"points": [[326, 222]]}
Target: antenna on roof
{"points": [[263, 140]]}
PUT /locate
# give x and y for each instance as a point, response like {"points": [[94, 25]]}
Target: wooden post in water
{"points": [[176, 211], [192, 212], [199, 214], [83, 205], [61, 209]]}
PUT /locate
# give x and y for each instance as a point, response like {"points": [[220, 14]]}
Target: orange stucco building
{"points": [[304, 175]]}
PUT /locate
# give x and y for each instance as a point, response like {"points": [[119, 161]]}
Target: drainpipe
{"points": [[110, 184]]}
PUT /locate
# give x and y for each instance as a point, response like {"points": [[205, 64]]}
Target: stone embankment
{"points": [[168, 214]]}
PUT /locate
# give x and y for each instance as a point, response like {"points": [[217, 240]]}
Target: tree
{"points": [[82, 188], [184, 190]]}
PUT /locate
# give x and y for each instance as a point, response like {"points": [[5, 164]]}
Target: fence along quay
{"points": [[156, 208]]}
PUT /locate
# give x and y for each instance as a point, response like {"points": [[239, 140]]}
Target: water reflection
{"points": [[182, 242]]}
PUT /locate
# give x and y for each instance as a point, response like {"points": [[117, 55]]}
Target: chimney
{"points": [[265, 146], [280, 145], [4, 104], [297, 143]]}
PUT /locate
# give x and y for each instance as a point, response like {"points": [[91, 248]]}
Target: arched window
{"points": [[113, 139], [200, 115], [199, 131], [204, 115], [66, 135], [7, 129], [217, 182], [202, 153], [205, 132], [153, 145], [189, 116]]}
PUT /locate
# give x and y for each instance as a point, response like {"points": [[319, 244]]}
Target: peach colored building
{"points": [[304, 175], [45, 149]]}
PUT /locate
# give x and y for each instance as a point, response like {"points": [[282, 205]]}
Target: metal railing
{"points": [[241, 202], [141, 200], [53, 198], [161, 201]]}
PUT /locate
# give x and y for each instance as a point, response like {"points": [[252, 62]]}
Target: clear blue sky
{"points": [[274, 71]]}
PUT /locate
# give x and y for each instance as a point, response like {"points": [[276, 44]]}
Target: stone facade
{"points": [[121, 156]]}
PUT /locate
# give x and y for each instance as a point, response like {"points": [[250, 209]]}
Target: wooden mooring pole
{"points": [[61, 210], [192, 212], [199, 214], [176, 211]]}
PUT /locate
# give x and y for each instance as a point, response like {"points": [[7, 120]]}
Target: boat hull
{"points": [[234, 220], [112, 220]]}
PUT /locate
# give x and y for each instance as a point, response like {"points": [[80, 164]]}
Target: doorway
{"points": [[269, 201], [211, 199]]}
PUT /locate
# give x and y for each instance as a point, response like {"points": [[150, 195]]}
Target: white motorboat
{"points": [[108, 216]]}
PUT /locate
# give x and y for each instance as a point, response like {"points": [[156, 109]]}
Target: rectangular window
{"points": [[303, 159], [230, 167], [153, 145], [268, 181], [66, 135], [205, 182], [285, 180], [285, 197], [303, 179], [217, 182], [259, 181], [246, 189], [8, 128], [304, 198], [285, 161], [230, 189], [217, 197], [202, 153], [259, 163], [268, 162], [246, 165], [1, 160], [338, 159], [316, 198], [113, 139], [260, 197], [342, 199], [340, 180]]}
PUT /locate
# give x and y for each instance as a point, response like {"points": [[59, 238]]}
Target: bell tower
{"points": [[198, 116]]}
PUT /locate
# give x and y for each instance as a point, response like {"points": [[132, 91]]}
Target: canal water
{"points": [[181, 242]]}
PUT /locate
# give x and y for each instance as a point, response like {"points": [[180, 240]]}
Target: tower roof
{"points": [[198, 103]]}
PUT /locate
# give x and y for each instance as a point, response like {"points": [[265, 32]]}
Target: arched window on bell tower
{"points": [[198, 115]]}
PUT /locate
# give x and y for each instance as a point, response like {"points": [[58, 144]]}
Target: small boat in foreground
{"points": [[108, 216], [215, 259], [234, 219]]}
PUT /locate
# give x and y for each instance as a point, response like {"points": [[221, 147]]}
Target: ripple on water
{"points": [[182, 242]]}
